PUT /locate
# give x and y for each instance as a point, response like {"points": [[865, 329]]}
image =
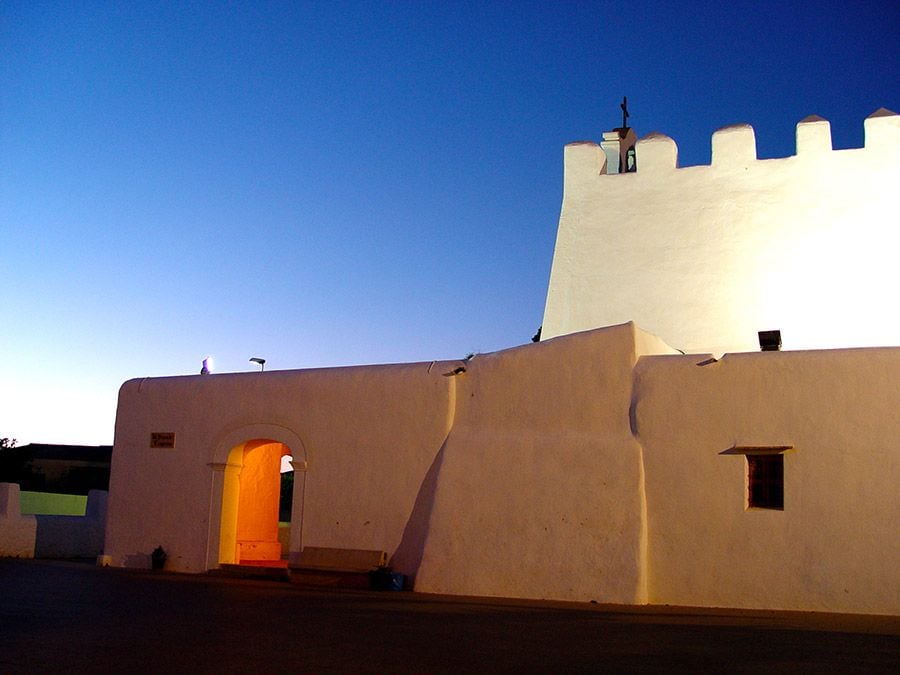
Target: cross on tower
{"points": [[625, 115]]}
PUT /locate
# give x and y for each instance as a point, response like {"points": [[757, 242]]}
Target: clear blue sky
{"points": [[330, 183]]}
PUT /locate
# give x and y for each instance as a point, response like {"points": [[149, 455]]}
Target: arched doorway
{"points": [[250, 503]]}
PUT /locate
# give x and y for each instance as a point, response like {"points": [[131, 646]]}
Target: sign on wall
{"points": [[162, 439]]}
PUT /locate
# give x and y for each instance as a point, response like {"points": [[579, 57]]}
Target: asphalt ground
{"points": [[64, 617]]}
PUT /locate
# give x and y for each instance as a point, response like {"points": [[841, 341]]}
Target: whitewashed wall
{"points": [[17, 532], [582, 468], [541, 485], [707, 256], [834, 547], [368, 436], [73, 536]]}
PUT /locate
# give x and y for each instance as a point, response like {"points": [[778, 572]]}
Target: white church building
{"points": [[600, 463]]}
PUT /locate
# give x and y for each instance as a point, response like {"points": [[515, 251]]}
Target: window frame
{"points": [[765, 481], [754, 455]]}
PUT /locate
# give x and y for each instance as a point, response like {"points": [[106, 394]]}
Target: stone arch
{"points": [[275, 432], [250, 443]]}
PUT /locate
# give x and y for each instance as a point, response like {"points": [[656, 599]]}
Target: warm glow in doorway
{"points": [[249, 532]]}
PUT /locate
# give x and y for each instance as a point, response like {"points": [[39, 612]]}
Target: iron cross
{"points": [[625, 115]]}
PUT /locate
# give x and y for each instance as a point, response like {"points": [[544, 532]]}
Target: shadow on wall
{"points": [[408, 556], [73, 536]]}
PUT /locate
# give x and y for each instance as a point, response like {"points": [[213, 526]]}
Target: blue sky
{"points": [[334, 183]]}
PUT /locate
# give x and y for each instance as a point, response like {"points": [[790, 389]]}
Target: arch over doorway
{"points": [[245, 495], [249, 526]]}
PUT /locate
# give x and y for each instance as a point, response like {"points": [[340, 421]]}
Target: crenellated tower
{"points": [[707, 256]]}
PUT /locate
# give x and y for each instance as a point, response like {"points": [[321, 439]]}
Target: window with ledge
{"points": [[765, 481], [765, 474]]}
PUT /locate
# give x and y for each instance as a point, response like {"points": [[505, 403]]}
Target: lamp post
{"points": [[261, 362]]}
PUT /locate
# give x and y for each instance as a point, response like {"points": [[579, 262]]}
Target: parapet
{"points": [[656, 152], [17, 532], [882, 129], [813, 136], [583, 160], [735, 145]]}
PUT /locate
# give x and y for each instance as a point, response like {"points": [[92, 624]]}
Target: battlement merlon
{"points": [[882, 130], [732, 146]]}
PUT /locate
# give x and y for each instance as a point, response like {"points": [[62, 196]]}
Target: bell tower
{"points": [[618, 145]]}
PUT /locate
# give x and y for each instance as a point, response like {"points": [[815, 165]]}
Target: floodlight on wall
{"points": [[770, 340], [207, 366], [261, 362]]}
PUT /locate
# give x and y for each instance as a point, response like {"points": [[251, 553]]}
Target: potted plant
{"points": [[158, 558], [383, 578]]}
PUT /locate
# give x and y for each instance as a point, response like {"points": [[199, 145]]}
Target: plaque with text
{"points": [[162, 439]]}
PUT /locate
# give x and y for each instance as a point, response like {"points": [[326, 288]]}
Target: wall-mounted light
{"points": [[261, 362], [770, 340], [207, 366]]}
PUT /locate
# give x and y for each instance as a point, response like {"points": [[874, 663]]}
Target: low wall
{"points": [[44, 536], [17, 532], [73, 536]]}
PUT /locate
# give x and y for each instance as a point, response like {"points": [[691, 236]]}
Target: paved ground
{"points": [[72, 617]]}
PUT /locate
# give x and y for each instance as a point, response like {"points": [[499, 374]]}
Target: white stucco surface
{"points": [[73, 536], [707, 256], [593, 466], [540, 492], [367, 437], [17, 532], [834, 547]]}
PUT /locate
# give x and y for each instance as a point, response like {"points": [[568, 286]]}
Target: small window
{"points": [[765, 481]]}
